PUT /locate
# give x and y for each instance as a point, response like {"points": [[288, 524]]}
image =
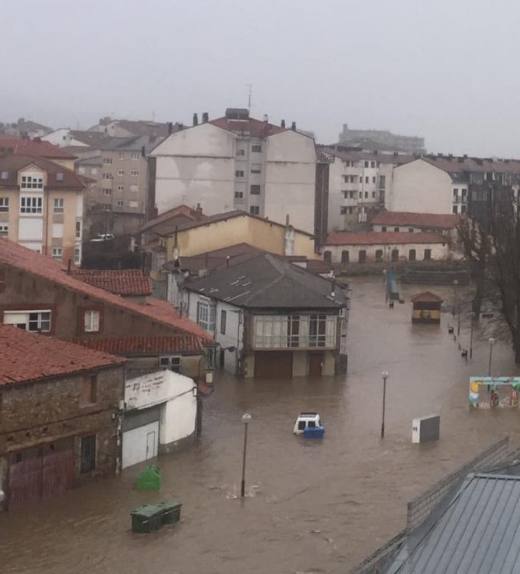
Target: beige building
{"points": [[41, 206], [238, 162], [227, 229]]}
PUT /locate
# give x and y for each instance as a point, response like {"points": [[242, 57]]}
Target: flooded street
{"points": [[311, 506]]}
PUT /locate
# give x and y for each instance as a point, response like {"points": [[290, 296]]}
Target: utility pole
{"points": [[249, 96], [384, 374], [246, 418]]}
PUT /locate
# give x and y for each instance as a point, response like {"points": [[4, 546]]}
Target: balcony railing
{"points": [[295, 342]]}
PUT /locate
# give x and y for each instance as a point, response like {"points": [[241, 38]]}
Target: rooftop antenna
{"points": [[249, 95]]}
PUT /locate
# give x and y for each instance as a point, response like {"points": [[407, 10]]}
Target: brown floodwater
{"points": [[311, 506]]}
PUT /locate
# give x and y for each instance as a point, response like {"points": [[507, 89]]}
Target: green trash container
{"points": [[171, 512], [149, 479], [146, 519]]}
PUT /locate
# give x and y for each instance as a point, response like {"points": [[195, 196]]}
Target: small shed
{"points": [[426, 308]]}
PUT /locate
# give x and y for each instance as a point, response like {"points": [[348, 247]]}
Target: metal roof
{"points": [[477, 531]]}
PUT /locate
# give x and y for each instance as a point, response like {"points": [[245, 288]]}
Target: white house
{"points": [[160, 413], [238, 162]]}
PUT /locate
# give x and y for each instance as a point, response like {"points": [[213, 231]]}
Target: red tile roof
{"points": [[136, 345], [382, 238], [432, 220], [124, 282], [255, 128], [49, 357], [33, 148], [12, 163], [181, 214], [33, 263], [426, 297]]}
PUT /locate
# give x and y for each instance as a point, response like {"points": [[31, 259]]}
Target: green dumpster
{"points": [[146, 518], [149, 479], [171, 511]]}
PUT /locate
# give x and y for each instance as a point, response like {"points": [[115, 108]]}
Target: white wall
{"points": [[62, 138], [420, 187], [196, 165], [290, 179], [178, 418], [438, 251], [135, 443]]}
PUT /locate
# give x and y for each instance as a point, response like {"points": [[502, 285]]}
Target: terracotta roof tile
{"points": [[145, 345], [50, 357], [382, 238], [34, 148], [12, 163], [124, 282], [426, 297], [33, 263], [437, 220]]}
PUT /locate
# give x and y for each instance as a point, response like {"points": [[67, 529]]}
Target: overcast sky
{"points": [[446, 70]]}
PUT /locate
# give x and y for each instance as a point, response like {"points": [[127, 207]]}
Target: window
{"points": [[88, 394], [462, 209], [107, 175], [372, 164], [88, 453], [77, 255], [120, 188], [366, 164], [122, 155], [241, 152], [223, 318], [383, 228], [350, 210], [107, 160], [366, 194], [256, 168], [345, 257], [120, 172], [410, 230], [366, 179], [343, 210], [81, 170], [396, 229], [134, 188], [93, 171], [30, 204], [254, 210], [120, 203], [59, 176], [57, 253], [327, 257], [427, 254], [91, 321], [107, 191], [373, 195], [133, 204], [4, 229], [362, 256], [412, 255], [58, 205], [134, 172], [455, 209], [346, 178], [395, 254], [173, 363], [464, 194], [455, 194], [382, 181], [78, 229], [257, 148], [135, 155], [239, 173], [255, 190], [374, 179], [4, 204], [32, 182], [293, 331], [29, 320], [239, 194], [317, 330], [360, 195], [206, 316], [379, 255], [4, 175]]}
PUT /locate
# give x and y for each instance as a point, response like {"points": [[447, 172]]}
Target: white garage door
{"points": [[140, 444]]}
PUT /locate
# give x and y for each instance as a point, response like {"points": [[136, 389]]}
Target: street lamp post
{"points": [[491, 343], [471, 335], [384, 374], [456, 306], [246, 418]]}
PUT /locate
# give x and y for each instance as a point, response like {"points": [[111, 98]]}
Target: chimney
{"points": [[170, 128], [287, 220], [69, 266], [143, 151], [293, 126], [227, 260], [333, 288], [195, 120], [266, 118], [198, 209], [282, 124], [205, 118]]}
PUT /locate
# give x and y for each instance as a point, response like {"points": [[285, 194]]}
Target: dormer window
{"points": [[4, 175], [59, 176], [32, 182]]}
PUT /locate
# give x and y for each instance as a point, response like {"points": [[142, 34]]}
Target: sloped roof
{"points": [[33, 148], [138, 345], [119, 281], [360, 155], [426, 297], [33, 263], [477, 531], [461, 165], [267, 281], [172, 218], [49, 357], [13, 163], [430, 220], [250, 126], [381, 238]]}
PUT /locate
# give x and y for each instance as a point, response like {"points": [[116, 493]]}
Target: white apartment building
{"points": [[238, 162], [358, 184]]}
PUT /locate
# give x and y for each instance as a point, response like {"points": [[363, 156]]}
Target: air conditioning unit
{"points": [[426, 429]]}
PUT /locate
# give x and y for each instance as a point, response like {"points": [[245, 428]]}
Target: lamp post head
{"points": [[384, 374], [492, 340], [246, 418], [455, 282]]}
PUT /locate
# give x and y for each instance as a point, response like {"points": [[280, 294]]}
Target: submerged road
{"points": [[311, 507]]}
